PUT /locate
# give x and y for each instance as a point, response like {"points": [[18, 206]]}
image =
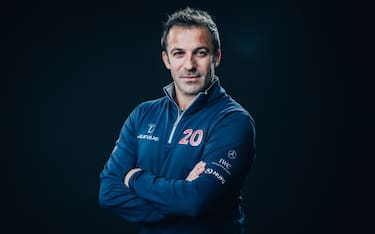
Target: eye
{"points": [[202, 53], [178, 54]]}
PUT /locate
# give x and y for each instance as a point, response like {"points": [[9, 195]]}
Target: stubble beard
{"points": [[187, 90]]}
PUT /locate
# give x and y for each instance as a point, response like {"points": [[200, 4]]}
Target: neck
{"points": [[183, 101]]}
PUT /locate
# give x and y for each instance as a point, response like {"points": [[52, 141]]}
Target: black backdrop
{"points": [[74, 70]]}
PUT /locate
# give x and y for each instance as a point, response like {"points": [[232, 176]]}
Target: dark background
{"points": [[73, 71]]}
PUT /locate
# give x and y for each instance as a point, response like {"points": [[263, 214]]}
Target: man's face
{"points": [[189, 56]]}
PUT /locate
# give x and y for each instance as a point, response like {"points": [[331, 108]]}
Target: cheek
{"points": [[175, 66], [206, 66], [174, 71]]}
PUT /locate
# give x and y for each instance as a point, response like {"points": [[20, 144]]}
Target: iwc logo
{"points": [[232, 154]]}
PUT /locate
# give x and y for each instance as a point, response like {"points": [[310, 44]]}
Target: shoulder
{"points": [[231, 119], [151, 105], [230, 110], [145, 109]]}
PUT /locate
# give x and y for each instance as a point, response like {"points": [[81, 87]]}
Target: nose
{"points": [[189, 63]]}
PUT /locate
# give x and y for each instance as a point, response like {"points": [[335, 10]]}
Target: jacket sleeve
{"points": [[113, 194], [228, 153]]}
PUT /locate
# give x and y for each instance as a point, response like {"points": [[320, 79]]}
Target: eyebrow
{"points": [[196, 49], [202, 48]]}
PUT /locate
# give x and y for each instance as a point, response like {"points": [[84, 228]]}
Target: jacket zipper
{"points": [[179, 116]]}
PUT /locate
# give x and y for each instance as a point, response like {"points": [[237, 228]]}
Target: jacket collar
{"points": [[208, 96]]}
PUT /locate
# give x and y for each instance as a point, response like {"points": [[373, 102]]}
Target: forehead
{"points": [[186, 37]]}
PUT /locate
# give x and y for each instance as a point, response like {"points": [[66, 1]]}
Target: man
{"points": [[181, 160]]}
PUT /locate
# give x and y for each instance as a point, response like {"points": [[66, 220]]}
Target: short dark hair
{"points": [[191, 17]]}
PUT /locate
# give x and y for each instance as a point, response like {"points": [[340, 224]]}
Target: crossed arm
{"points": [[194, 173], [120, 199]]}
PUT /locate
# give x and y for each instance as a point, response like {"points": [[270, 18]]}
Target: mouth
{"points": [[190, 77]]}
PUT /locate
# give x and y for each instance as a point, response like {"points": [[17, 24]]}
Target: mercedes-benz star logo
{"points": [[232, 154]]}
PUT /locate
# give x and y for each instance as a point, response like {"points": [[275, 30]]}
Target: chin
{"points": [[194, 91], [190, 92]]}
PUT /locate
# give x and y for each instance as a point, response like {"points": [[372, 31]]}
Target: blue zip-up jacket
{"points": [[166, 144]]}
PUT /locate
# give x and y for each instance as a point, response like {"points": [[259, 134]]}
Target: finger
{"points": [[202, 165], [196, 171], [192, 176], [199, 165], [199, 169]]}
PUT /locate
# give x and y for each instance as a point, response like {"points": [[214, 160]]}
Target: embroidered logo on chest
{"points": [[149, 136]]}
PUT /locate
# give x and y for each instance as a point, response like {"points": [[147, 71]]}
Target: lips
{"points": [[191, 76]]}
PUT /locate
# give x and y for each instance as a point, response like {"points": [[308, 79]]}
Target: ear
{"points": [[165, 58], [217, 58]]}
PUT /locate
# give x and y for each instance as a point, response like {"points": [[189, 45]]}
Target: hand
{"points": [[197, 170], [130, 173]]}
